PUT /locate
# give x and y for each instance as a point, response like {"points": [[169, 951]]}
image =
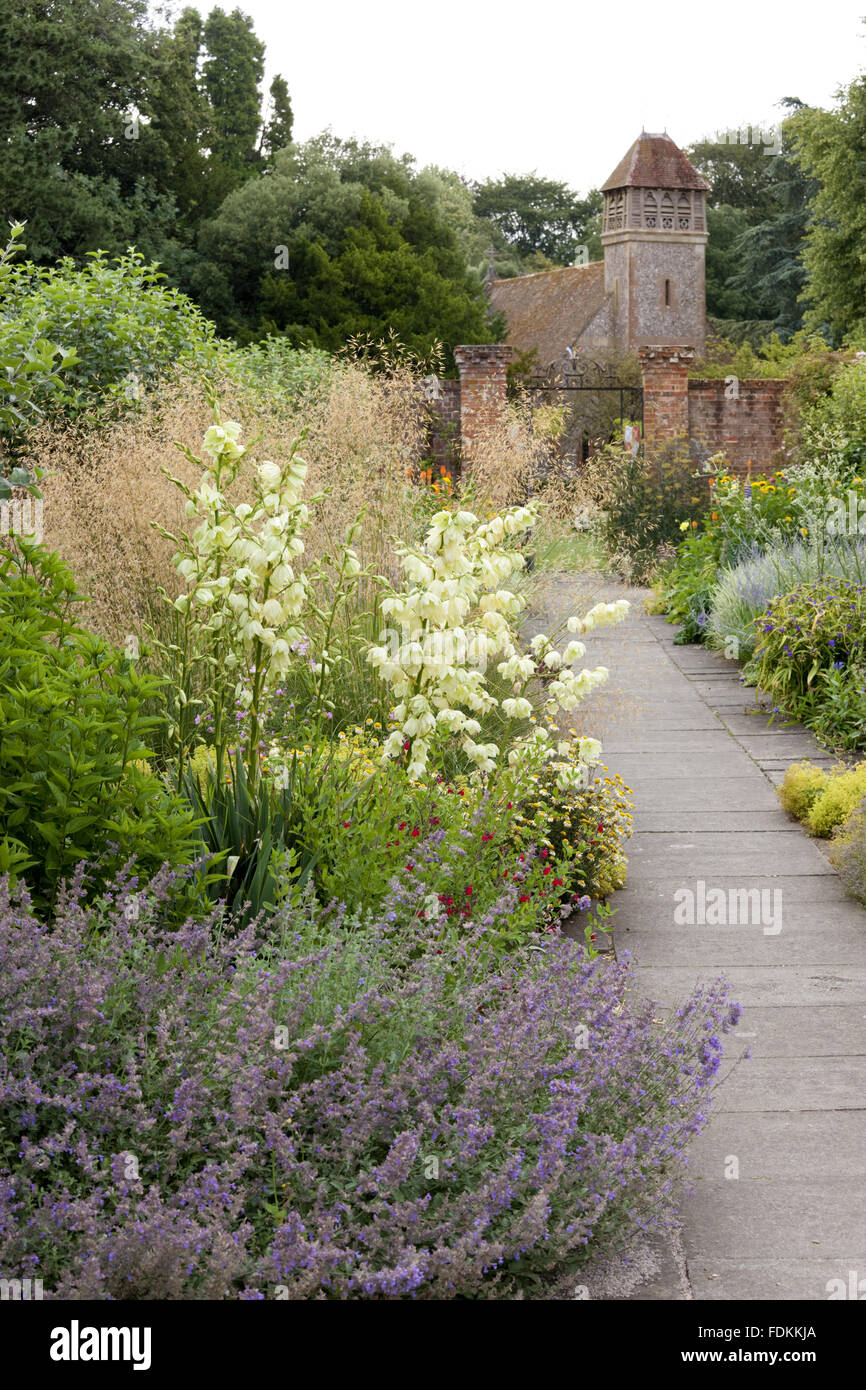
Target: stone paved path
{"points": [[702, 760]]}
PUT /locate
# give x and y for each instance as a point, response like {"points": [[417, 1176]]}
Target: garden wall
{"points": [[741, 417], [744, 418], [444, 440]]}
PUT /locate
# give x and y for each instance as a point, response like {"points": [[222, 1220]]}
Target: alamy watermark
{"points": [[22, 516], [20, 1290], [768, 136], [734, 907]]}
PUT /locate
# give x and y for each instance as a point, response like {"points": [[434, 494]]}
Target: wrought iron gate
{"points": [[590, 389]]}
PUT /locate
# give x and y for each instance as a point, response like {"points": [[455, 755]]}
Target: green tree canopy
{"points": [[830, 148], [118, 130], [757, 215], [277, 130], [74, 78], [338, 239], [538, 217]]}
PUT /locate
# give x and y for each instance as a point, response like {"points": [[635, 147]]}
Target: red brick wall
{"points": [[444, 442], [483, 368], [744, 418], [665, 372]]}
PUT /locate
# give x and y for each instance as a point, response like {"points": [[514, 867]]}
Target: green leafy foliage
{"points": [[121, 330], [829, 148], [540, 221], [810, 656], [338, 241], [74, 778], [759, 207], [30, 364], [253, 837], [642, 504]]}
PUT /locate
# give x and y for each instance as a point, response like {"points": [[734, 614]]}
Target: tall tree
{"points": [[75, 79], [335, 241], [277, 130], [539, 217], [757, 213], [179, 113], [232, 71], [830, 147]]}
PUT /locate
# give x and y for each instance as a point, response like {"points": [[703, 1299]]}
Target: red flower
{"points": [[557, 883], [406, 746], [524, 897], [469, 891], [486, 837], [546, 871], [402, 825], [434, 820], [416, 833], [409, 868], [346, 824]]}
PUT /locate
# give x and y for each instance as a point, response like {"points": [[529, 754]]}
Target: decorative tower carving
{"points": [[654, 235]]}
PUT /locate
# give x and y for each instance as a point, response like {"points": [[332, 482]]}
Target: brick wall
{"points": [[744, 418], [665, 372], [483, 368], [444, 439]]}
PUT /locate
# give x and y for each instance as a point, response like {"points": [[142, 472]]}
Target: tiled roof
{"points": [[549, 310], [654, 161]]}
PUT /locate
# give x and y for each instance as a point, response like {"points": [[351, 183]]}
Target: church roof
{"points": [[654, 161], [549, 310]]}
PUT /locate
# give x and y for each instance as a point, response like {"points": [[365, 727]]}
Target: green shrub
{"points": [[74, 781], [802, 784], [120, 328], [848, 852], [837, 801], [810, 656], [742, 593], [276, 370], [30, 364], [642, 503]]}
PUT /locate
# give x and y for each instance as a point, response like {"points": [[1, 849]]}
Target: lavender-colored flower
{"points": [[347, 1110]]}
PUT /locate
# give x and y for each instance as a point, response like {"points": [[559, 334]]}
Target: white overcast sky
{"points": [[563, 88]]}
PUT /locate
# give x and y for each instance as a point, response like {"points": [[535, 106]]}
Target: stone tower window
{"points": [[650, 209], [667, 294], [667, 212]]}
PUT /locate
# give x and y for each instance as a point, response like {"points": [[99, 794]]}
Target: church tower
{"points": [[654, 234]]}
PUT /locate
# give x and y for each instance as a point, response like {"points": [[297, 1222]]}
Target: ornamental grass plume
{"points": [[297, 1110]]}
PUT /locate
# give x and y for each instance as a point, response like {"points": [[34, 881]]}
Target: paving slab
{"points": [[780, 1145], [764, 985], [796, 944], [808, 1279], [713, 853], [782, 1219], [747, 791]]}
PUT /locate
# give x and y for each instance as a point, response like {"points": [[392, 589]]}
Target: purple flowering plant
{"points": [[299, 1109]]}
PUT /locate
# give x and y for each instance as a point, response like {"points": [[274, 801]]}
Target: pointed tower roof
{"points": [[654, 161]]}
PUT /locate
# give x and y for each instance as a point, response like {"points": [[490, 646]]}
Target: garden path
{"points": [[703, 759]]}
